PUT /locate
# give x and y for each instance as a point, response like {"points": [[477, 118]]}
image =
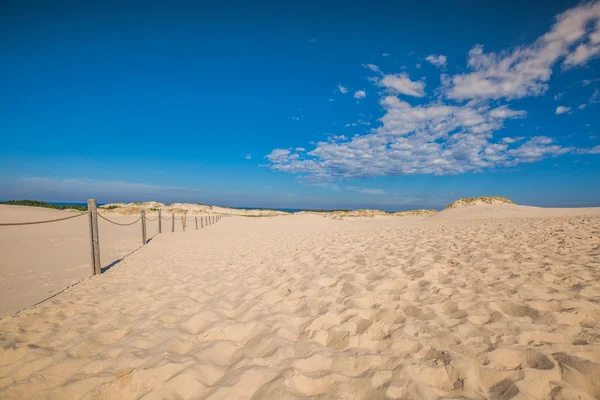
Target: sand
{"points": [[306, 307], [38, 261]]}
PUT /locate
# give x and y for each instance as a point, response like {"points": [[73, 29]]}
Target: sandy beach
{"points": [[495, 301]]}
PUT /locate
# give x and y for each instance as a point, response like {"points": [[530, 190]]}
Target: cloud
{"points": [[582, 106], [359, 122], [525, 70], [512, 139], [372, 67], [593, 150], [562, 110], [313, 41], [330, 99], [401, 84], [248, 156], [385, 54], [429, 139], [360, 94], [438, 61], [300, 149], [296, 118], [342, 89]]}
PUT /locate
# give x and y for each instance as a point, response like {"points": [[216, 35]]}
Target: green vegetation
{"points": [[36, 203], [111, 207], [154, 209]]}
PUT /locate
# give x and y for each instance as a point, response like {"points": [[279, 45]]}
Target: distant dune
{"points": [[477, 201], [179, 208]]}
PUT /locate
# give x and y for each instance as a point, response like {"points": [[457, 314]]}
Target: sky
{"points": [[328, 104]]}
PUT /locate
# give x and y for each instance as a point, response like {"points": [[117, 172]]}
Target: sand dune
{"points": [[302, 307]]}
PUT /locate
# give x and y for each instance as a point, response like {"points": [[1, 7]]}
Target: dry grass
{"points": [[473, 201]]}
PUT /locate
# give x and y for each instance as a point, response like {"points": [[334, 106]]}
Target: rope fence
{"points": [[117, 223], [43, 222], [93, 215]]}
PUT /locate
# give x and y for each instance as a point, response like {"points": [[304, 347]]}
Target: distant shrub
{"points": [[37, 203], [111, 207]]}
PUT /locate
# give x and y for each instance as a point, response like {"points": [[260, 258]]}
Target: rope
{"points": [[167, 219], [150, 219], [43, 222], [116, 223]]}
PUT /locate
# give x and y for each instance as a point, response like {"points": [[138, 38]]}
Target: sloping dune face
{"points": [[305, 307], [475, 201]]}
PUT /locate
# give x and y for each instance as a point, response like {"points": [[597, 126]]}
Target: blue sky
{"points": [[319, 104]]}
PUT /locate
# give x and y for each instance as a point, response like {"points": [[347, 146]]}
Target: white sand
{"points": [[37, 261], [303, 306]]}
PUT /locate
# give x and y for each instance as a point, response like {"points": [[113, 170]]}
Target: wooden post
{"points": [[183, 223], [172, 222], [201, 222], [94, 237], [196, 218], [143, 227], [184, 219], [159, 222]]}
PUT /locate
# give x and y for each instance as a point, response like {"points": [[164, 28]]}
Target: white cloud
{"points": [[401, 83], [526, 70], [296, 118], [313, 40], [248, 156], [342, 89], [562, 110], [385, 54], [360, 94], [372, 67], [431, 139], [300, 149], [418, 66], [330, 99], [505, 112], [438, 61], [357, 123], [511, 140], [582, 106]]}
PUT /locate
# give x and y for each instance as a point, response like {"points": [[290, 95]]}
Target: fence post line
{"points": [[159, 223], [94, 238], [201, 222], [172, 222], [182, 223], [143, 227], [196, 218]]}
